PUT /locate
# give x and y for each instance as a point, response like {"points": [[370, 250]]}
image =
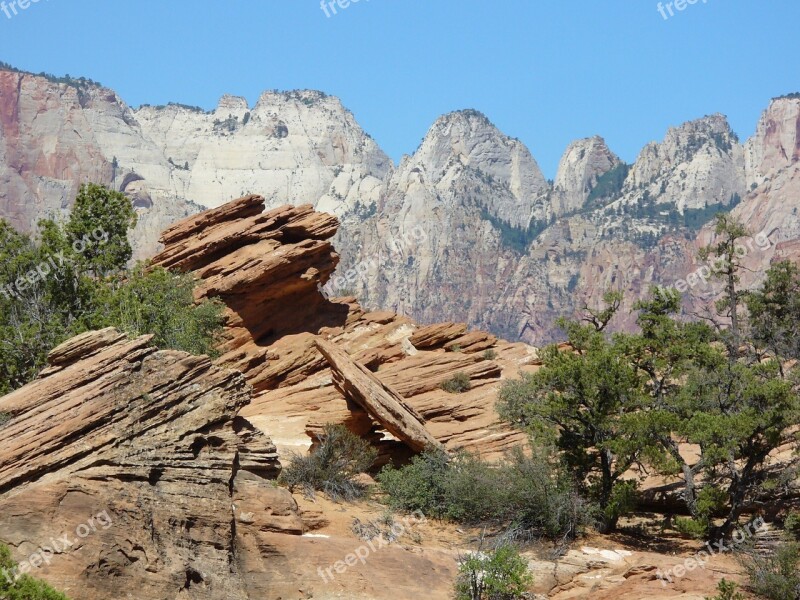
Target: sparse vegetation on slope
{"points": [[74, 278], [775, 576], [613, 402], [457, 384], [78, 83], [529, 493], [608, 185], [515, 238], [332, 466], [25, 587]]}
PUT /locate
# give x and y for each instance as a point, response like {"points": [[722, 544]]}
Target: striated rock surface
{"points": [[130, 471], [137, 457], [379, 400]]}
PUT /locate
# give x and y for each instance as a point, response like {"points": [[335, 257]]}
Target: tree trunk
{"points": [[609, 521]]}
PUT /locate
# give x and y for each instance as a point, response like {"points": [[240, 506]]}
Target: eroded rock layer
{"points": [[135, 458], [269, 268]]}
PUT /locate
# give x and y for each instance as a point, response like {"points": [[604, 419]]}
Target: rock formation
{"points": [[159, 467], [380, 401], [174, 160], [149, 461], [268, 268]]}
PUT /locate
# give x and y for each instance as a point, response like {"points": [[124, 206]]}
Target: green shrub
{"points": [[332, 467], [24, 588], [498, 575], [419, 485], [457, 384], [792, 526], [489, 354], [711, 499], [696, 529], [77, 281], [461, 488], [541, 496], [775, 576], [529, 494], [161, 303], [472, 490], [727, 591]]}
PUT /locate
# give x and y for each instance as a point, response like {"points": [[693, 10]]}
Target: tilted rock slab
{"points": [[382, 403]]}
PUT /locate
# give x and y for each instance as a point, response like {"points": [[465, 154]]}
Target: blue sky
{"points": [[546, 72]]}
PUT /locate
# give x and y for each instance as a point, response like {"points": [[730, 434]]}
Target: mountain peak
{"points": [[234, 103], [583, 163], [469, 115]]}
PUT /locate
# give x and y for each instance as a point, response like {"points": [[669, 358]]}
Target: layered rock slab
{"points": [[137, 456], [381, 402]]}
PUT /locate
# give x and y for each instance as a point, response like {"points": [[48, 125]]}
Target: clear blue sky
{"points": [[546, 72]]}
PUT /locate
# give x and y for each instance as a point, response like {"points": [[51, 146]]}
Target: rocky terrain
{"points": [[151, 474], [601, 225], [268, 268], [467, 228]]}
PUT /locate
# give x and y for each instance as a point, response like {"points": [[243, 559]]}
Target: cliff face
{"points": [[300, 145], [582, 165], [772, 205], [174, 160], [698, 164], [53, 137], [602, 225], [467, 228]]}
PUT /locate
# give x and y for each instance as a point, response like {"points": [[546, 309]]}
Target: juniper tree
{"points": [[584, 397]]}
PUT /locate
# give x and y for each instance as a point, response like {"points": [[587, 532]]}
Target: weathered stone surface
{"points": [[582, 164], [437, 335], [137, 456], [429, 239]]}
